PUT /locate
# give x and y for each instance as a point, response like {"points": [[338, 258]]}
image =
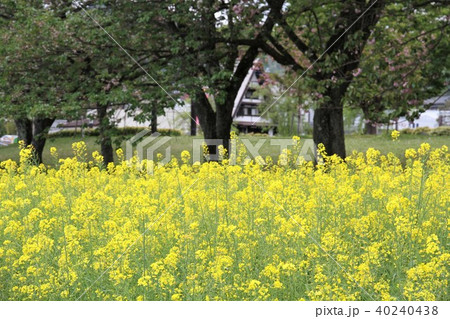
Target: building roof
{"points": [[438, 100]]}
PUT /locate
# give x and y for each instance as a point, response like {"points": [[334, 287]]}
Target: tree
{"points": [[208, 58], [59, 63], [326, 43], [193, 43], [402, 67], [68, 64], [31, 93], [284, 114], [104, 32]]}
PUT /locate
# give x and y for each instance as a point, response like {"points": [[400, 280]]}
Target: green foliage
{"points": [[350, 116], [2, 128], [441, 131], [7, 127], [56, 62], [383, 57], [284, 113], [438, 131], [404, 62]]}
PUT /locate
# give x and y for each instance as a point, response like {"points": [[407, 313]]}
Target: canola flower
{"points": [[216, 231], [395, 135]]}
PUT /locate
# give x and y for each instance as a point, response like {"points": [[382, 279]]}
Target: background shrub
{"points": [[121, 131], [438, 131]]}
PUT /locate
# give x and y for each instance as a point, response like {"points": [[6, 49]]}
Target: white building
{"points": [[176, 119], [245, 113], [438, 114], [246, 110]]}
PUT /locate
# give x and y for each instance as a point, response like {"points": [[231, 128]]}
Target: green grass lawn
{"points": [[353, 142]]}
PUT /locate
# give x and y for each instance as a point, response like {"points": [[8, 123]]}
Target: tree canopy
{"points": [[326, 44], [60, 58]]}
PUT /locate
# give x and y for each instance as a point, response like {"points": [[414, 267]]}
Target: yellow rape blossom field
{"points": [[367, 228]]}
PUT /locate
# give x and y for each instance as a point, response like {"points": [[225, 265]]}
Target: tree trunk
{"points": [[328, 129], [223, 134], [41, 127], [154, 119], [193, 118], [207, 118], [224, 121], [24, 128], [328, 122], [291, 123], [215, 125], [370, 128], [105, 137]]}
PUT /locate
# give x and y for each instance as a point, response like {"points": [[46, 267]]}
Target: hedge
{"points": [[438, 131], [122, 131]]}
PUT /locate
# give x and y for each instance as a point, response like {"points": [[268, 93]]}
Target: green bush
{"points": [[422, 130], [2, 127], [169, 132], [73, 133], [407, 131], [257, 134], [10, 128], [441, 131], [438, 131], [307, 129], [7, 127]]}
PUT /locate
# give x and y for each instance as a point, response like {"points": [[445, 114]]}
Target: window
{"points": [[248, 110], [249, 93]]}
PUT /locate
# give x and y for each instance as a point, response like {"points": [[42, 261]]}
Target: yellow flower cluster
{"points": [[395, 135], [360, 229]]}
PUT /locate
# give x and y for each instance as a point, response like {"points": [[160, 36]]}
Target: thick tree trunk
{"points": [[216, 126], [41, 127], [328, 122], [328, 129], [207, 118], [105, 137], [154, 120], [24, 128], [224, 121]]}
